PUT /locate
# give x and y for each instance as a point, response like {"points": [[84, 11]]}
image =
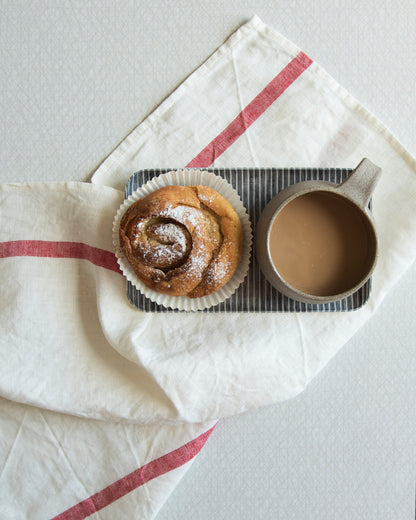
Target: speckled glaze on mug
{"points": [[354, 193]]}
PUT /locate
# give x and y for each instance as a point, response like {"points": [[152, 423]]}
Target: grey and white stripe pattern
{"points": [[256, 186]]}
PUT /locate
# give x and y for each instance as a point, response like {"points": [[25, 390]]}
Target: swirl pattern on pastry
{"points": [[182, 240]]}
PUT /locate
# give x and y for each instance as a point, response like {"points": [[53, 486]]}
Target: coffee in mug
{"points": [[320, 244], [316, 241]]}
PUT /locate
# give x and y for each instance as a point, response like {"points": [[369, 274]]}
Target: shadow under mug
{"points": [[316, 241]]}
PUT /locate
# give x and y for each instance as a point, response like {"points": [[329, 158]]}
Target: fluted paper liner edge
{"points": [[188, 177]]}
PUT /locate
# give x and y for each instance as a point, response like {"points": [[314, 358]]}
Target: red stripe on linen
{"points": [[49, 249], [251, 112], [137, 478]]}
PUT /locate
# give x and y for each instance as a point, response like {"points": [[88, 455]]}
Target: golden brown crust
{"points": [[182, 240]]}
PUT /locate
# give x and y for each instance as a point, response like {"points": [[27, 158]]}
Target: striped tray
{"points": [[256, 186]]}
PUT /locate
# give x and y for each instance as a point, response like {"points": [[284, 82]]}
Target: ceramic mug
{"points": [[316, 241]]}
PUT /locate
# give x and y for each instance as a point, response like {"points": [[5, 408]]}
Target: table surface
{"points": [[78, 76]]}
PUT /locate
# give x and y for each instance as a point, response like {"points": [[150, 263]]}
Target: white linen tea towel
{"points": [[104, 406]]}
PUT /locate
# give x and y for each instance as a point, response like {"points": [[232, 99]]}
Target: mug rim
{"points": [[329, 187]]}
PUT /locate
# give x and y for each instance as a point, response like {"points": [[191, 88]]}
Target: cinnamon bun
{"points": [[182, 240]]}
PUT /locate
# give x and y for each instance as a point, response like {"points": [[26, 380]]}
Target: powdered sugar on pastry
{"points": [[182, 240]]}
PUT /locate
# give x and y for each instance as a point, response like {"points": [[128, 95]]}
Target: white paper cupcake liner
{"points": [[188, 178]]}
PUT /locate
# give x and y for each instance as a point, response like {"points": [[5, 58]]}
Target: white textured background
{"points": [[77, 76]]}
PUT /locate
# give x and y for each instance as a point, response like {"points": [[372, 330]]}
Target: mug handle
{"points": [[361, 183]]}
